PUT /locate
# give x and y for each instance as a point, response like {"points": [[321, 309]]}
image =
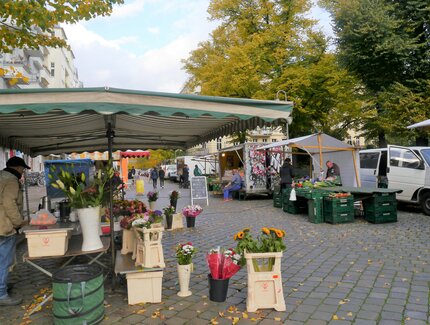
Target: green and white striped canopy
{"points": [[49, 121]]}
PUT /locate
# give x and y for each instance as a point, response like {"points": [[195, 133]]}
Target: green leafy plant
{"points": [[80, 192]]}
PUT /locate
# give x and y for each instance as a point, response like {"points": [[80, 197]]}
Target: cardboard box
{"points": [[49, 242], [144, 287]]}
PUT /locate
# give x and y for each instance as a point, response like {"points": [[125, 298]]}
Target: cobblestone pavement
{"points": [[357, 273]]}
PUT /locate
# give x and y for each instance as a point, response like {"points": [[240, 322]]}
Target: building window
{"points": [[52, 69], [273, 140], [254, 140], [219, 144], [357, 141], [264, 140]]}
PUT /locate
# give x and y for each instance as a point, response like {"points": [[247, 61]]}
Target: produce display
{"points": [[43, 218], [306, 182]]}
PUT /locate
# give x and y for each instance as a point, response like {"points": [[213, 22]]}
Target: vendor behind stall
{"points": [[333, 173]]}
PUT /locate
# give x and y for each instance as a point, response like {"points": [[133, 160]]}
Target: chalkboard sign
{"points": [[199, 189]]}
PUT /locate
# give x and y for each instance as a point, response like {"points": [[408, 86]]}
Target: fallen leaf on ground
{"points": [[335, 317], [349, 314]]}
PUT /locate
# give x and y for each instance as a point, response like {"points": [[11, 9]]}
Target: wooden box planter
{"points": [[264, 281], [144, 287], [149, 251], [128, 241], [48, 242], [177, 222]]}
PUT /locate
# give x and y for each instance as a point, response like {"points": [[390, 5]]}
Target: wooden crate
{"points": [[264, 282], [144, 287], [52, 242]]}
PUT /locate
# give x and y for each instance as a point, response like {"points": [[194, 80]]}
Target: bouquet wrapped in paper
{"points": [[223, 264]]}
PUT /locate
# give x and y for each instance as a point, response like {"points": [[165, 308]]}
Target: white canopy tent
{"points": [[424, 124], [322, 147]]}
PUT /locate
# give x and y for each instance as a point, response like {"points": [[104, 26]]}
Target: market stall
{"points": [[54, 121], [322, 147]]}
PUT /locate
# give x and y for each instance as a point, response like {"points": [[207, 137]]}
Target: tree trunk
{"points": [[382, 141]]}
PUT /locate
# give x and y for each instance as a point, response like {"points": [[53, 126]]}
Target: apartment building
{"points": [[44, 67]]}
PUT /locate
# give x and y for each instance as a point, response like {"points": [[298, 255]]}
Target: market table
{"points": [[73, 251]]}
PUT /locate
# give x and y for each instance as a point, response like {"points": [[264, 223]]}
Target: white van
{"points": [[395, 167]]}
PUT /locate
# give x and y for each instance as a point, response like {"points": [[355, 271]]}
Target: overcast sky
{"points": [[141, 45]]}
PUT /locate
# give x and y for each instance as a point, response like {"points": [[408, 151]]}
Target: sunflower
{"points": [[245, 229], [235, 237], [274, 230], [279, 233], [240, 234], [265, 230]]}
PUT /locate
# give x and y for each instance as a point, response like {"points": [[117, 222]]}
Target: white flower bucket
{"points": [[89, 218]]}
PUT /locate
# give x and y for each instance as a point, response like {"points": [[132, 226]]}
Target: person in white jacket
{"points": [[11, 206]]}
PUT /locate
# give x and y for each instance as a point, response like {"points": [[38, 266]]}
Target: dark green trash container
{"points": [[78, 292]]}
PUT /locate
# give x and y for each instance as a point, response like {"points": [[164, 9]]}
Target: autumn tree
{"points": [[263, 46], [30, 23], [386, 44]]}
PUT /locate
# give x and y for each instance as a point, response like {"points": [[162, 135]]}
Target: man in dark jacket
{"points": [[287, 174], [11, 206], [161, 174], [333, 173]]}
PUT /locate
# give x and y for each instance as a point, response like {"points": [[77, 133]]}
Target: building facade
{"points": [[37, 68]]}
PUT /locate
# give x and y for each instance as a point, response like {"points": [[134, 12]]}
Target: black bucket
{"points": [[217, 289], [78, 292], [191, 222]]}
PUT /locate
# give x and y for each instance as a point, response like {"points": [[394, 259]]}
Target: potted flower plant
{"points": [[152, 198], [173, 197], [191, 212], [86, 196], [169, 212], [263, 262], [223, 264], [184, 256]]}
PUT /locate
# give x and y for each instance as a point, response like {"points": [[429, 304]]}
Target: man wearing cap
{"points": [[11, 205]]}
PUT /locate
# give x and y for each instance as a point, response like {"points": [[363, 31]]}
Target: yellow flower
{"points": [[240, 234], [72, 190], [265, 230], [279, 233], [245, 230], [60, 184], [83, 177], [235, 237]]}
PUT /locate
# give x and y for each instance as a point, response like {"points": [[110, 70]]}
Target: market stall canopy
{"points": [[49, 121], [423, 124], [135, 154], [322, 147]]}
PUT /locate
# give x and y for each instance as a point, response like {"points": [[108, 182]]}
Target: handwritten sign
{"points": [[199, 189]]}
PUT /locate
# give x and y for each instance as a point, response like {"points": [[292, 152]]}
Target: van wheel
{"points": [[425, 203]]}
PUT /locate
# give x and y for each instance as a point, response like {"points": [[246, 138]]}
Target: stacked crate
{"points": [[381, 208], [339, 210], [277, 199]]}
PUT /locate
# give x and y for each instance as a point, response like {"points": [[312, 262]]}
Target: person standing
{"points": [[11, 206], [234, 185], [161, 174], [287, 174], [197, 171], [154, 177], [186, 176], [333, 173]]}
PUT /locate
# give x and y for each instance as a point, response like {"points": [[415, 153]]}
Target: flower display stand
{"points": [[149, 251], [264, 281], [177, 222], [128, 241], [144, 287]]}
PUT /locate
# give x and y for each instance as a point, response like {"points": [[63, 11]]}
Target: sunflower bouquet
{"points": [[270, 240]]}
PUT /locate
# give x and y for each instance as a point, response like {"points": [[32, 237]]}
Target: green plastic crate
{"points": [[315, 211], [338, 205], [292, 207], [340, 217], [373, 206], [277, 201], [388, 215]]}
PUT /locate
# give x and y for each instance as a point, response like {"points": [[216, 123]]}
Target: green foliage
{"points": [[261, 47], [20, 20]]}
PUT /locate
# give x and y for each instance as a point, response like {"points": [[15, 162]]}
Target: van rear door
{"points": [[406, 171], [369, 162]]}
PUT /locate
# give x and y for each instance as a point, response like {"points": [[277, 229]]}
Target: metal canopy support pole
{"points": [[110, 134], [320, 151]]}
